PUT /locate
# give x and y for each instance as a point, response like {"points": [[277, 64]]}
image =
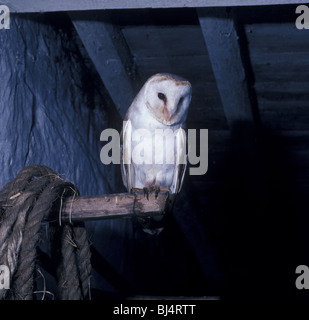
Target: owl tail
{"points": [[154, 225]]}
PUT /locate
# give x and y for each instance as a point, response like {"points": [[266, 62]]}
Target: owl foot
{"points": [[158, 189], [135, 191], [157, 193], [146, 192]]}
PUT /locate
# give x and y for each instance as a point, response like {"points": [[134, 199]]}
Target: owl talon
{"points": [[157, 191], [146, 192]]}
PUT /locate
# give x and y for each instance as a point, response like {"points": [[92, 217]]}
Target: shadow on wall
{"points": [[261, 208]]}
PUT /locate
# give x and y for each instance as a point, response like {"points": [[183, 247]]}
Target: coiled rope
{"points": [[25, 203]]}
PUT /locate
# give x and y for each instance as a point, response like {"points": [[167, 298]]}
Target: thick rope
{"points": [[68, 285], [24, 203]]}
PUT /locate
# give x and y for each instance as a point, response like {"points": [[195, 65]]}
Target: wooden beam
{"points": [[112, 206], [21, 6], [227, 60], [110, 54]]}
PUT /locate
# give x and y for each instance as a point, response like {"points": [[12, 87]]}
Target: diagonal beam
{"points": [[229, 66], [110, 55]]}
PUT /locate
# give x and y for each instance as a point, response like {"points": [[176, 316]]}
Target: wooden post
{"points": [[112, 206]]}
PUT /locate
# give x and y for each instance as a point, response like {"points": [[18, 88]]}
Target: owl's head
{"points": [[167, 98]]}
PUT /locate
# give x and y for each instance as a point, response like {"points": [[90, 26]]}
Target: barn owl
{"points": [[161, 104]]}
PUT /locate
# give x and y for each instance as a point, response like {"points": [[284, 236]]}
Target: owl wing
{"points": [[181, 160], [125, 152]]}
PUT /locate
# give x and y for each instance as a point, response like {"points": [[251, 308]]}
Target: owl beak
{"points": [[166, 114]]}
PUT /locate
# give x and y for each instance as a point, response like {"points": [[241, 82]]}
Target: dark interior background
{"points": [[240, 230]]}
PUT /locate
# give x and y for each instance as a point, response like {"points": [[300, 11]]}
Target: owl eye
{"points": [[162, 96]]}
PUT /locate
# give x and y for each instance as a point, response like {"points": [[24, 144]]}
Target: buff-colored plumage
{"points": [[162, 103]]}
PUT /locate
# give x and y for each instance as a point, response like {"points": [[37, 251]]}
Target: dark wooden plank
{"points": [[111, 206], [279, 53], [295, 107], [226, 56], [76, 5], [279, 58], [194, 68], [275, 38], [281, 72], [284, 114], [175, 41], [292, 98], [280, 67], [292, 87], [110, 54]]}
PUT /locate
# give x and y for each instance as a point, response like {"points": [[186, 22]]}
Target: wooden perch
{"points": [[111, 206]]}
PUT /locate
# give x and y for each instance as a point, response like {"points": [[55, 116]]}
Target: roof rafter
{"points": [[110, 54], [230, 69]]}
